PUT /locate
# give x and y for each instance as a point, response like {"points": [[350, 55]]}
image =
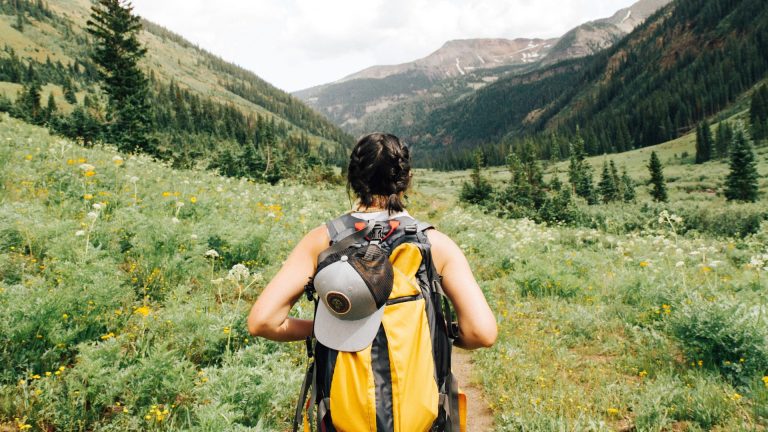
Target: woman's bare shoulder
{"points": [[444, 249]]}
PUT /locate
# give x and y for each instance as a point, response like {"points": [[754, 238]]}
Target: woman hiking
{"points": [[380, 361]]}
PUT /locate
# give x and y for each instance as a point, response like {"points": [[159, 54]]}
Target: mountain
{"points": [[382, 97], [687, 62], [202, 104]]}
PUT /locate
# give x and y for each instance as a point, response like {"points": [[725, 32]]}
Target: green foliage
{"points": [[758, 113], [117, 51], [609, 186], [726, 336], [741, 182], [580, 172], [478, 190], [693, 398], [658, 184], [723, 139], [627, 186], [704, 143]]}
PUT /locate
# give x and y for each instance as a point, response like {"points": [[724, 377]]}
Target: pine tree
{"points": [[117, 51], [628, 186], [478, 190], [723, 139], [51, 108], [28, 103], [69, 92], [703, 143], [659, 187], [741, 182], [608, 188], [580, 171]]}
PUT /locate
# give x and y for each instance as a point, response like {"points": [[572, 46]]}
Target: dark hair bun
{"points": [[380, 165]]}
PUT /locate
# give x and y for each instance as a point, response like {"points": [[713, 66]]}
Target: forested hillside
{"points": [[687, 62], [203, 107]]}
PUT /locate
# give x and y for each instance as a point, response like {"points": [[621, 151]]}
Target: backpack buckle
{"points": [[411, 229]]}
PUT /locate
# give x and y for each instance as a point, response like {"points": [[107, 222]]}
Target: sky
{"points": [[296, 44]]}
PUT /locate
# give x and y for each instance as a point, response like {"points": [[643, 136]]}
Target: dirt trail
{"points": [[479, 415]]}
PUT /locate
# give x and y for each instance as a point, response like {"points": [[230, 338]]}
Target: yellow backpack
{"points": [[402, 381]]}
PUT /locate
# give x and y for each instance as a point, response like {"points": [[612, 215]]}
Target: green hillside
{"points": [[202, 104], [125, 285], [685, 63]]}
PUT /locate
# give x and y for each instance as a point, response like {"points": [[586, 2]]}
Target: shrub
{"points": [[724, 335]]}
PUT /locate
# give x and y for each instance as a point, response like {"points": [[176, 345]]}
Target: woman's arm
{"points": [[477, 325], [269, 315]]}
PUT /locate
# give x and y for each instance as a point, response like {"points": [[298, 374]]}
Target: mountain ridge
{"points": [[363, 100]]}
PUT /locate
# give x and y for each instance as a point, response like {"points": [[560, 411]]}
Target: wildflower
{"points": [[97, 206], [612, 411], [48, 374], [79, 233], [87, 167], [679, 264], [64, 317], [193, 199], [643, 374], [701, 363], [765, 381], [35, 377], [645, 263], [238, 273], [166, 194], [175, 219], [92, 215], [108, 336], [133, 179], [117, 160], [193, 236], [211, 253], [226, 330], [143, 310], [735, 397], [87, 196]]}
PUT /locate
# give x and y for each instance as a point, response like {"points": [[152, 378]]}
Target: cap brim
{"points": [[341, 335]]}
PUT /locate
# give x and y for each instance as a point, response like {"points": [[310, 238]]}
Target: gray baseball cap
{"points": [[353, 287]]}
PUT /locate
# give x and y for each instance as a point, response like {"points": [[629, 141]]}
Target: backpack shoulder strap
{"points": [[341, 227]]}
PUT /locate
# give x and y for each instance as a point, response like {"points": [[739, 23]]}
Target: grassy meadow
{"points": [[124, 286]]}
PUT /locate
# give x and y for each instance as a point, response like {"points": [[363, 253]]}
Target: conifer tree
{"points": [[741, 182], [580, 171], [723, 139], [703, 143], [117, 51], [28, 102], [608, 188], [628, 186], [69, 92], [478, 190], [658, 184], [51, 108]]}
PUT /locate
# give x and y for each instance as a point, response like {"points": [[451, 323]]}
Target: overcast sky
{"points": [[295, 44]]}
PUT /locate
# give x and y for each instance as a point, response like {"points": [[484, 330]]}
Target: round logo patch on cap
{"points": [[338, 302]]}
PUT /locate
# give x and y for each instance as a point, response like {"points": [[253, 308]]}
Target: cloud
{"points": [[295, 44]]}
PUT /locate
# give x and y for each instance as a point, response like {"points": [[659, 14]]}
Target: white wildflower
{"points": [[679, 264], [133, 179], [179, 204], [117, 159], [87, 167], [79, 233], [92, 215], [218, 281], [193, 236], [238, 273], [97, 206], [175, 220], [211, 253]]}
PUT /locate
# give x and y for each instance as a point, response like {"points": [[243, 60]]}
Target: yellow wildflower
{"points": [[28, 157], [735, 397], [643, 374], [644, 263], [612, 411], [144, 310], [88, 196], [765, 380], [108, 336], [226, 330], [166, 194], [193, 199]]}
